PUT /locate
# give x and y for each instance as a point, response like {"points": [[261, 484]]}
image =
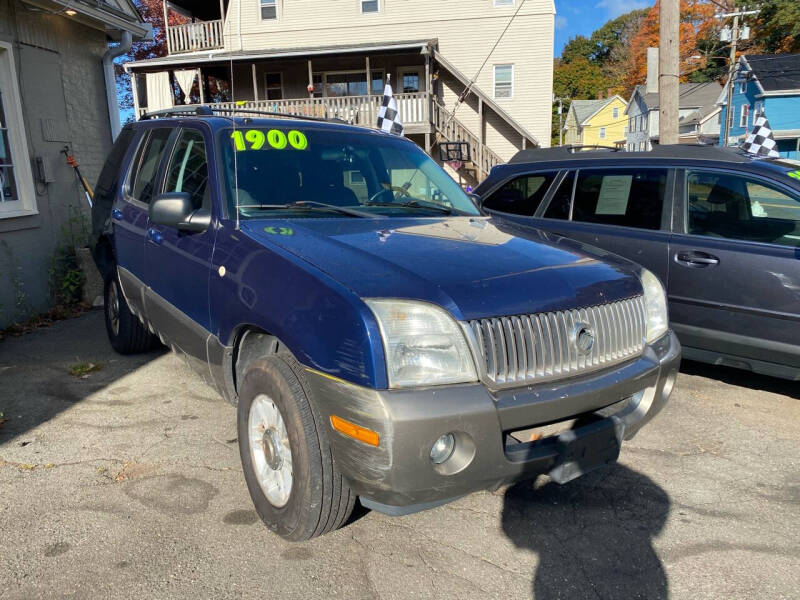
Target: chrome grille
{"points": [[539, 347]]}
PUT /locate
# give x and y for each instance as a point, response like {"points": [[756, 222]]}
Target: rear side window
{"points": [[521, 196], [739, 207], [107, 183], [146, 164], [562, 199], [620, 197], [188, 169]]}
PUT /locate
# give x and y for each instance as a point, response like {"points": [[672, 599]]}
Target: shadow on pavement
{"points": [[35, 383], [742, 378], [593, 536]]}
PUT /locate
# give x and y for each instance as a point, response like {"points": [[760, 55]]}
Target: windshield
{"points": [[295, 171]]}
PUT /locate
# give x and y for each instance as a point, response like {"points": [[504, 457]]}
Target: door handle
{"points": [[696, 259], [154, 236], [116, 214]]}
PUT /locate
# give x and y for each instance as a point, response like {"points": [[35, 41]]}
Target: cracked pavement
{"points": [[127, 483]]}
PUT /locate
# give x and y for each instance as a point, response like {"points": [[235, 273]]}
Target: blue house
{"points": [[768, 84]]}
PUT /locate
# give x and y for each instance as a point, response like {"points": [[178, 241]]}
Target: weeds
{"points": [[82, 369]]}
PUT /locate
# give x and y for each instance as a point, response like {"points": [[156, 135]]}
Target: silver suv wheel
{"points": [[269, 450]]}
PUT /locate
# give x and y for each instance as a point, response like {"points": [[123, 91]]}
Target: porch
{"points": [[344, 83]]}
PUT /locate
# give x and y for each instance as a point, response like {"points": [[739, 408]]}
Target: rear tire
{"points": [[125, 332], [291, 432]]}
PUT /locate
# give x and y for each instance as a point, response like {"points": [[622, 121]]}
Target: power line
{"points": [[465, 94]]}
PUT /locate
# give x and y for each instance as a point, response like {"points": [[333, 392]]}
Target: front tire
{"points": [[286, 457], [125, 332]]}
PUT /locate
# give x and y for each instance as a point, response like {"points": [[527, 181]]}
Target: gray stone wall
{"points": [[59, 69]]}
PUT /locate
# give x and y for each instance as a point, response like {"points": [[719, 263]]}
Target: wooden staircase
{"points": [[450, 129]]}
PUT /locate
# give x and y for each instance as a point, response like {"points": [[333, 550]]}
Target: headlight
{"points": [[655, 305], [424, 344]]}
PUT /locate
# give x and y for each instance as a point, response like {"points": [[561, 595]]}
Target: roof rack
{"points": [[574, 148], [209, 111], [672, 151]]}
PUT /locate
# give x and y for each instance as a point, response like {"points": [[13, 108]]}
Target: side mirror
{"points": [[476, 199], [175, 209]]}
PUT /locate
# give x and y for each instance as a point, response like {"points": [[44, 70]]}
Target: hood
{"points": [[473, 266]]}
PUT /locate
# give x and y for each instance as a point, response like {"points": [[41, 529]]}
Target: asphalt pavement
{"points": [[124, 482]]}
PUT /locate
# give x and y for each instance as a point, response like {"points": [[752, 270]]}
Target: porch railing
{"points": [[453, 130], [357, 110], [202, 35]]}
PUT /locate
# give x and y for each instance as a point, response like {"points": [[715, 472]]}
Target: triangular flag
{"points": [[388, 116], [760, 141]]}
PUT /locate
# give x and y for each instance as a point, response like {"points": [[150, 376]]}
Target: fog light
{"points": [[442, 448]]}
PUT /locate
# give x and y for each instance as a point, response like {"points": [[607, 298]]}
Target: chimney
{"points": [[652, 71], [609, 93], [599, 95]]}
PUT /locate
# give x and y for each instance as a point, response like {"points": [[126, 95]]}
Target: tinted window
{"points": [[731, 206], [146, 164], [188, 169], [108, 181], [620, 197], [521, 196], [560, 204]]}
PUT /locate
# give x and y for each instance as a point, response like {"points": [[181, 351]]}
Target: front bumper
{"points": [[398, 477]]}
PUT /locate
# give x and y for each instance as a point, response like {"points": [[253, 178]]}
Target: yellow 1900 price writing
{"points": [[255, 139]]}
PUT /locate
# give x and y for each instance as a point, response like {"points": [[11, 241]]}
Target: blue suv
{"points": [[380, 337]]}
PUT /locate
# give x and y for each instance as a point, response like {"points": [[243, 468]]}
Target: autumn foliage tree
{"points": [[152, 12], [697, 24]]}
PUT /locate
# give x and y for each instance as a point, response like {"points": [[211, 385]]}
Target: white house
{"points": [[331, 57]]}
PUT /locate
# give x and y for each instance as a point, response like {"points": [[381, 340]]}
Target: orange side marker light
{"points": [[362, 434]]}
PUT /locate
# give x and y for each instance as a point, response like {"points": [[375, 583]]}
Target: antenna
{"points": [[235, 152]]}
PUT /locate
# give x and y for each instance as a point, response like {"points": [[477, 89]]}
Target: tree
{"points": [[777, 26], [152, 12], [579, 78], [697, 24], [576, 48], [615, 35]]}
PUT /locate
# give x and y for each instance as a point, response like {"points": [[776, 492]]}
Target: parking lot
{"points": [[126, 482]]}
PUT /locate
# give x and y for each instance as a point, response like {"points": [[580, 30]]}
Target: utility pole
{"points": [[734, 38], [560, 125], [560, 119], [668, 71]]}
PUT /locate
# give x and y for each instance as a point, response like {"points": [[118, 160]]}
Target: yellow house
{"points": [[596, 122]]}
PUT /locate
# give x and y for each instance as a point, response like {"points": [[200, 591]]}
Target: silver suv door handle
{"points": [[696, 259]]}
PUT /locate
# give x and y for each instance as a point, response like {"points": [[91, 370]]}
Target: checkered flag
{"points": [[760, 141], [388, 116]]}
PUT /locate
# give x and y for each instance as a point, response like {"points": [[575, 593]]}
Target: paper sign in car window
{"points": [[614, 193]]}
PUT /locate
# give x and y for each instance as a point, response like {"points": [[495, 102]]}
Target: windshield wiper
{"points": [[313, 205], [414, 204]]}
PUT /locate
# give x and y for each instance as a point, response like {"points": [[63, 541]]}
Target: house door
{"points": [[408, 90]]}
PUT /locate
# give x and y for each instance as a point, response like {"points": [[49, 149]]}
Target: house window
{"points": [[504, 81], [370, 6], [602, 133], [758, 110], [641, 146], [615, 113], [269, 9], [410, 81], [17, 197], [743, 86], [346, 83], [743, 116], [504, 2], [274, 86]]}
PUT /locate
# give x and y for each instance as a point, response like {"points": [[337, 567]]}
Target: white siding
{"points": [[465, 32]]}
